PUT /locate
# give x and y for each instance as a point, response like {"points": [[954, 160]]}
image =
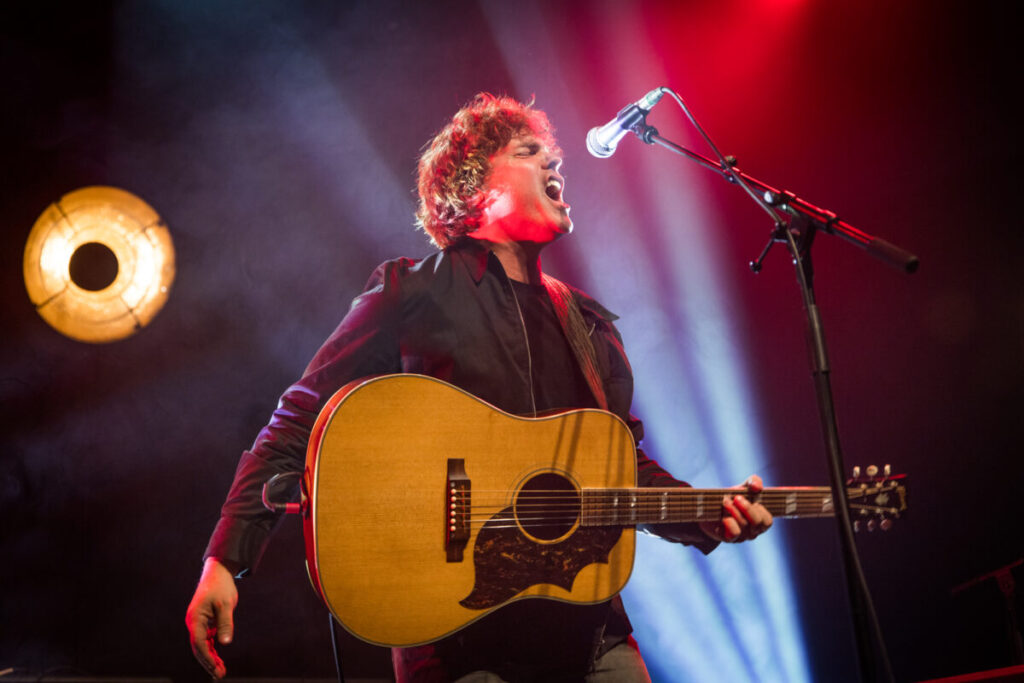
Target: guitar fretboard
{"points": [[610, 507]]}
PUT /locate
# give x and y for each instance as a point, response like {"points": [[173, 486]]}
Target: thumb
{"points": [[225, 624]]}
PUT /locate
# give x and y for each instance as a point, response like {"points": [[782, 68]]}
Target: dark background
{"points": [[278, 141]]}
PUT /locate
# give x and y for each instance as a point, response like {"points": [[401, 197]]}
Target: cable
{"points": [[335, 648], [726, 166]]}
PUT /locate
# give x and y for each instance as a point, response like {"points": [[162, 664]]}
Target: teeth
{"points": [[553, 188]]}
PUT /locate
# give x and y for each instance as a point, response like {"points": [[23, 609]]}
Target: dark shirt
{"points": [[558, 381]]}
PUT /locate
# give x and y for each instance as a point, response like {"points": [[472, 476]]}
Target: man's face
{"points": [[523, 194]]}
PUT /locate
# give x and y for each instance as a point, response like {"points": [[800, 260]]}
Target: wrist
{"points": [[218, 563]]}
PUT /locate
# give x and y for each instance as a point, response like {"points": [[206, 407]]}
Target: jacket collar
{"points": [[476, 256]]}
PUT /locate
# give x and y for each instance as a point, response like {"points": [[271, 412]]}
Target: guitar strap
{"points": [[575, 328]]}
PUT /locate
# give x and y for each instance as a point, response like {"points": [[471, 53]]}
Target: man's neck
{"points": [[521, 261]]}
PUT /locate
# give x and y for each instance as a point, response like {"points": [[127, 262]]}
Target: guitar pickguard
{"points": [[507, 562]]}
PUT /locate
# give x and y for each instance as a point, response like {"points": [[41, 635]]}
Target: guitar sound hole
{"points": [[547, 506]]}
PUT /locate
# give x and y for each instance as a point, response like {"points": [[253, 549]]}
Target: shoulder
{"points": [[392, 271], [439, 265], [401, 274]]}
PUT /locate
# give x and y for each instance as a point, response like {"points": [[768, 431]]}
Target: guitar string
{"points": [[479, 499], [649, 511], [679, 494], [512, 522], [643, 513], [683, 494], [645, 507], [557, 502], [687, 491], [682, 490], [555, 496], [593, 501], [594, 504], [488, 512], [614, 523], [624, 501], [572, 514]]}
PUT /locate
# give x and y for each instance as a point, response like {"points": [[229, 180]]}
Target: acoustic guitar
{"points": [[425, 508]]}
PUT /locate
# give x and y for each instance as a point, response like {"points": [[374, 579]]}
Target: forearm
{"points": [[651, 474]]}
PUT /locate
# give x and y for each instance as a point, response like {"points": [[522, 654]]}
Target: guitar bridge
{"points": [[457, 509]]}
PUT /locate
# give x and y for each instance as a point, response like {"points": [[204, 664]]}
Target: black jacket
{"points": [[453, 316]]}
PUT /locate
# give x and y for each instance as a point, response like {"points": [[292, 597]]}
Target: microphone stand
{"points": [[796, 224], [798, 209]]}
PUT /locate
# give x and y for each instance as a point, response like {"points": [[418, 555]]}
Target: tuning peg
{"points": [[887, 470], [856, 471], [872, 471], [871, 525], [856, 525], [885, 524]]}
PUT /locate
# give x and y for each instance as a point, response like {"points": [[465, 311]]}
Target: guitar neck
{"points": [[615, 507]]}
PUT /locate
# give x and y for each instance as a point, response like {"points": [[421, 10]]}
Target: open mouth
{"points": [[553, 189]]}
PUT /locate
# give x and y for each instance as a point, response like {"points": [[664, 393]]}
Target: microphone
{"points": [[602, 141]]}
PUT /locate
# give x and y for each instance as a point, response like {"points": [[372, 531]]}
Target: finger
{"points": [[764, 517], [730, 530], [754, 484], [749, 512], [757, 516], [225, 623], [199, 624], [217, 668], [737, 507], [748, 517], [733, 519]]}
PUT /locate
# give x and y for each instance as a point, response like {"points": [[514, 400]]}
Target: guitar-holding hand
{"points": [[741, 519], [209, 615]]}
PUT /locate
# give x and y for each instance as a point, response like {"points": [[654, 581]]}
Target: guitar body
{"points": [[382, 527], [425, 508]]}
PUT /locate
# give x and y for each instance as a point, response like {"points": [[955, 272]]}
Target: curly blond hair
{"points": [[454, 165]]}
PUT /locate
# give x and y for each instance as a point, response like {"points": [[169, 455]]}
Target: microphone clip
{"points": [[633, 117], [644, 131]]}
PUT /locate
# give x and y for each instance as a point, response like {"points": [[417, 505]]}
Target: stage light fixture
{"points": [[99, 264]]}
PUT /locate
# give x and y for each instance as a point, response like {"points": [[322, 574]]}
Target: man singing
{"points": [[481, 315]]}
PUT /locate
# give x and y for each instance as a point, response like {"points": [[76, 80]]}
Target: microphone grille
{"points": [[596, 147]]}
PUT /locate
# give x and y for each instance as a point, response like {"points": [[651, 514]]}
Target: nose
{"points": [[554, 162]]}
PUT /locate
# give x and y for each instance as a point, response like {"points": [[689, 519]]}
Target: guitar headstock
{"points": [[876, 497]]}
